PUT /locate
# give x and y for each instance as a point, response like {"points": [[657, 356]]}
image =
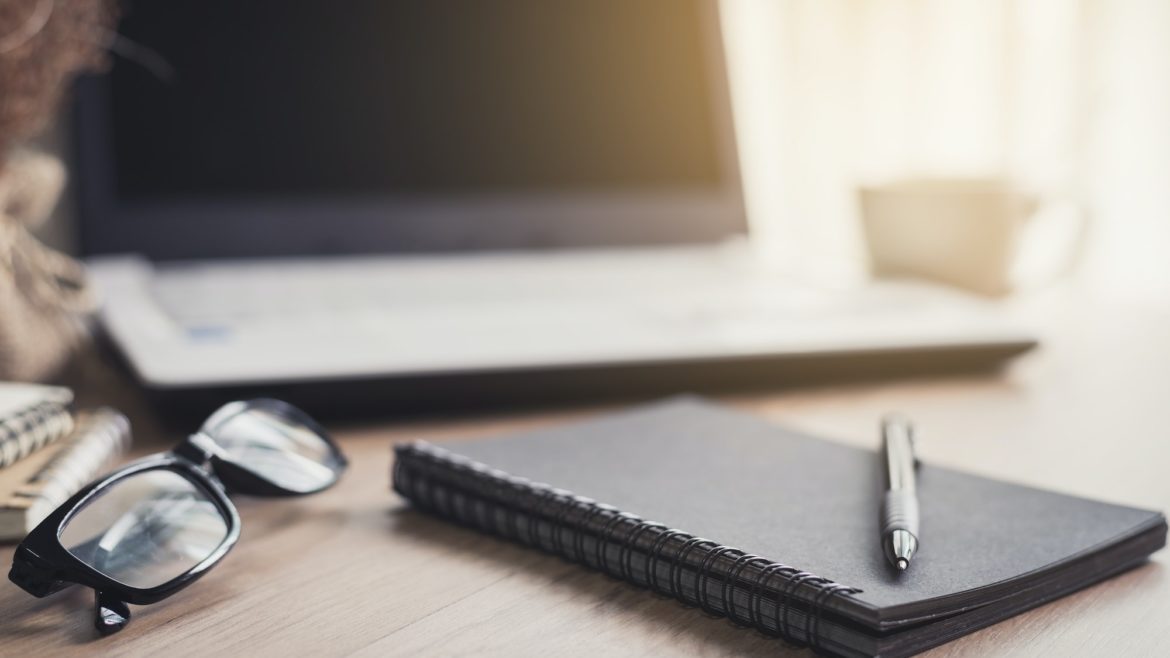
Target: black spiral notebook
{"points": [[775, 529]]}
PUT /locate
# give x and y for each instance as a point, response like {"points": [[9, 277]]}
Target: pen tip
{"points": [[903, 563]]}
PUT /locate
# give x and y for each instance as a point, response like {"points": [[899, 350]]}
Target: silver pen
{"points": [[899, 516]]}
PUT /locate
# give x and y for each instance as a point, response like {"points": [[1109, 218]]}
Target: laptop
{"points": [[458, 200]]}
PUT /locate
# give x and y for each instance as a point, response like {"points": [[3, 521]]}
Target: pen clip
{"points": [[911, 435]]}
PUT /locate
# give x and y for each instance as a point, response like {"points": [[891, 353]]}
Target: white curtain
{"points": [[1070, 98]]}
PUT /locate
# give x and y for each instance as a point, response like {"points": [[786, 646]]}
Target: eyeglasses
{"points": [[155, 526]]}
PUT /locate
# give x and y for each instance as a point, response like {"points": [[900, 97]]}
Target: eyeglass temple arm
{"points": [[34, 575], [198, 448], [111, 614], [37, 578]]}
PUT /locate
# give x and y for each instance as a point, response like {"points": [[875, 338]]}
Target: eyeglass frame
{"points": [[42, 565]]}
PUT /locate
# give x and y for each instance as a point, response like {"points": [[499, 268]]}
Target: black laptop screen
{"points": [[377, 97]]}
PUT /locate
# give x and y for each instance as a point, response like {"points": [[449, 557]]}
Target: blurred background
{"points": [[1000, 150], [1070, 99]]}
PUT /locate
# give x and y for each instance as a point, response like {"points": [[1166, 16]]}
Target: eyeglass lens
{"points": [[146, 529], [278, 448]]}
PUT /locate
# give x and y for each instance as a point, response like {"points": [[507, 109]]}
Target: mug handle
{"points": [[1050, 244]]}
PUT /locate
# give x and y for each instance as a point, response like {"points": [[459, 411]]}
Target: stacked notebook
{"points": [[774, 529], [47, 453]]}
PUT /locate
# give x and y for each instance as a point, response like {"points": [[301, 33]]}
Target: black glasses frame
{"points": [[42, 565]]}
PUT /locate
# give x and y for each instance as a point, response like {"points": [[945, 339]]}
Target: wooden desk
{"points": [[353, 571]]}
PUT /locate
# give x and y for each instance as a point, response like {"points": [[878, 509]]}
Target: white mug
{"points": [[964, 232]]}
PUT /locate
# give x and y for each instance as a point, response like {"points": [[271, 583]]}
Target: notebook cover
{"points": [[812, 504]]}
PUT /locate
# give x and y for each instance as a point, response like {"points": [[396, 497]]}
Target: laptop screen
{"points": [[375, 125]]}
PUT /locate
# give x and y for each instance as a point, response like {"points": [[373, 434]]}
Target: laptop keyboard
{"points": [[471, 299], [321, 318], [205, 299]]}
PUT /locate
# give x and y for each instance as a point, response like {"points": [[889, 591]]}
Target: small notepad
{"points": [[31, 417], [776, 529]]}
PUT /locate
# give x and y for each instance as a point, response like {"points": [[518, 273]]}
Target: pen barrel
{"points": [[899, 512]]}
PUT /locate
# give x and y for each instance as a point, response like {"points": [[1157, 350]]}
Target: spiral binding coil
{"points": [[31, 429], [748, 589]]}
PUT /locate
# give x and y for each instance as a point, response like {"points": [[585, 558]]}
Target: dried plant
{"points": [[43, 44], [43, 294]]}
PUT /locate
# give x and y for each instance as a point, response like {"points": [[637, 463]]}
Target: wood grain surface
{"points": [[355, 571]]}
